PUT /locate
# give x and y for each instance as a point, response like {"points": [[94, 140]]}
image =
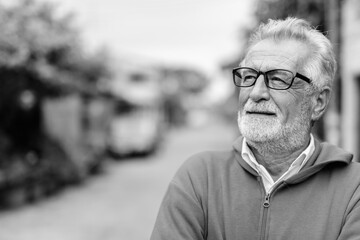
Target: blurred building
{"points": [[350, 74]]}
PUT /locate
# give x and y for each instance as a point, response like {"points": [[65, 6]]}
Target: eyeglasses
{"points": [[279, 79]]}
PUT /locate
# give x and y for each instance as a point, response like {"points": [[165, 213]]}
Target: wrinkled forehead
{"points": [[267, 55]]}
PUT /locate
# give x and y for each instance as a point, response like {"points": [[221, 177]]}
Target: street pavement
{"points": [[122, 202]]}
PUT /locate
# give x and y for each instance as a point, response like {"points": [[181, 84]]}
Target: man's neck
{"points": [[275, 159]]}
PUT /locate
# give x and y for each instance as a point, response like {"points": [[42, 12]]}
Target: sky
{"points": [[199, 33]]}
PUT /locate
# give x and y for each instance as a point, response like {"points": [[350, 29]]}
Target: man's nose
{"points": [[260, 91]]}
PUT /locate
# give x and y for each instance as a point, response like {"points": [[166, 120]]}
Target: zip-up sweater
{"points": [[218, 196]]}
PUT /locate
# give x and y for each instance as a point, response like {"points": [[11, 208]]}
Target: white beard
{"points": [[259, 129], [268, 134]]}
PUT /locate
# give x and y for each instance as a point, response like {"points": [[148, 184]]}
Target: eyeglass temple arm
{"points": [[302, 77]]}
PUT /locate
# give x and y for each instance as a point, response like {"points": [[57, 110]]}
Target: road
{"points": [[121, 203]]}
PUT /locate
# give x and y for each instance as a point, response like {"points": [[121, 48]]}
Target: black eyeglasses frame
{"points": [[296, 75]]}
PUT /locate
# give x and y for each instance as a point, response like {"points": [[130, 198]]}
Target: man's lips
{"points": [[261, 113]]}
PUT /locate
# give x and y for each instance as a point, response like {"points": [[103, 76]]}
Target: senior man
{"points": [[278, 181]]}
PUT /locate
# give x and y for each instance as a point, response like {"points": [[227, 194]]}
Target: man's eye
{"points": [[278, 80], [247, 78]]}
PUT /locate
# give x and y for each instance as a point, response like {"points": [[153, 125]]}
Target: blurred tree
{"points": [[41, 55], [311, 10], [36, 40]]}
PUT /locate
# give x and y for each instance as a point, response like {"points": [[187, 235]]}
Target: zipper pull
{"points": [[266, 203]]}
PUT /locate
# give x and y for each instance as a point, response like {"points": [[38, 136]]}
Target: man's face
{"points": [[274, 115]]}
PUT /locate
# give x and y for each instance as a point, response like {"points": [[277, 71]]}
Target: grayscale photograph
{"points": [[179, 119]]}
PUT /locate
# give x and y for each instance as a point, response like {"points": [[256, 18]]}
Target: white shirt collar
{"points": [[294, 168]]}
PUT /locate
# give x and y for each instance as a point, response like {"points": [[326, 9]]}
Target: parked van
{"points": [[138, 124]]}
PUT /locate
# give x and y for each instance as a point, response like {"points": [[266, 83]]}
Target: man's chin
{"points": [[260, 137], [260, 131]]}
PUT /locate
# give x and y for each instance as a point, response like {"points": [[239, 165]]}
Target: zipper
{"points": [[266, 206], [266, 202]]}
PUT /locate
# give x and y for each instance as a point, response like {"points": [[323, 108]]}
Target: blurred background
{"points": [[102, 101]]}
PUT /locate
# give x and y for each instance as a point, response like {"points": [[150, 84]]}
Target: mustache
{"points": [[251, 106]]}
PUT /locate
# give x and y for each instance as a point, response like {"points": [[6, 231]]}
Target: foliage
{"points": [[312, 10], [36, 40]]}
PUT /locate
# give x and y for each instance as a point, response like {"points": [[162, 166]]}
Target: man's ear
{"points": [[321, 101]]}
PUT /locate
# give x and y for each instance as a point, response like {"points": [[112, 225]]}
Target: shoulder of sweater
{"points": [[196, 173], [210, 158], [203, 162]]}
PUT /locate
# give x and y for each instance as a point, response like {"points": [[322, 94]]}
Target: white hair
{"points": [[320, 65]]}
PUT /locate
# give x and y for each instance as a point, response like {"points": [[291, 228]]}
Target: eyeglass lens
{"points": [[277, 79]]}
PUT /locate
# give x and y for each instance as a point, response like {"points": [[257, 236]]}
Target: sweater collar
{"points": [[323, 155]]}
